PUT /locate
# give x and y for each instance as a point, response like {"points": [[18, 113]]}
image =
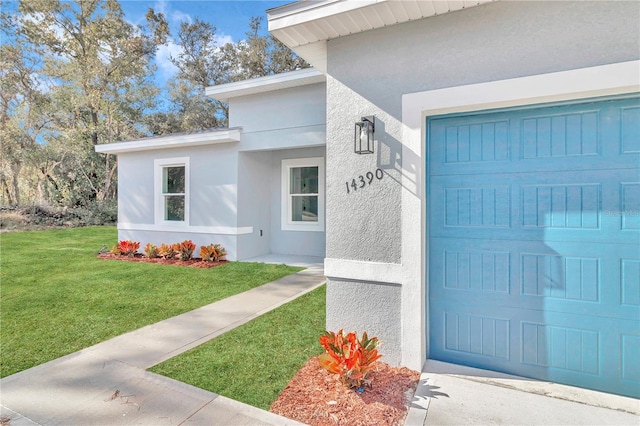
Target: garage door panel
{"points": [[551, 139], [569, 277], [534, 252], [551, 346], [538, 206]]}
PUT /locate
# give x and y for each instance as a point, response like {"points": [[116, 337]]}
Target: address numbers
{"points": [[362, 181]]}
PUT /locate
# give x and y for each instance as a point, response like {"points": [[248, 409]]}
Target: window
{"points": [[303, 194], [172, 190]]}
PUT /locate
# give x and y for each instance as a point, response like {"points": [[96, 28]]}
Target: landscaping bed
{"points": [[138, 257], [316, 397]]}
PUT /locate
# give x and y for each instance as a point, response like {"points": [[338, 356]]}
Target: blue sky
{"points": [[230, 17]]}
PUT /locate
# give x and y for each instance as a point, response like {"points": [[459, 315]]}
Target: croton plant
{"points": [[348, 356], [126, 248]]}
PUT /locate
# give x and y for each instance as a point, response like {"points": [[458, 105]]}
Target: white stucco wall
{"points": [[254, 203], [379, 231], [213, 197], [287, 118]]}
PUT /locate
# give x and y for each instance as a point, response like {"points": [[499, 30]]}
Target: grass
{"points": [[253, 363], [57, 297]]}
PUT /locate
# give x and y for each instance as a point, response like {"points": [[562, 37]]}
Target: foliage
{"points": [[254, 362], [88, 82], [75, 74], [35, 217], [203, 62], [212, 253], [70, 299], [168, 251], [151, 251], [186, 249], [348, 356], [126, 248]]}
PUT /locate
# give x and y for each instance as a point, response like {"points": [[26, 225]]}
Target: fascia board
{"points": [[172, 141], [301, 12], [269, 83]]}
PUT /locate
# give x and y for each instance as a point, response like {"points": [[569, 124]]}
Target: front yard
{"points": [[57, 297]]}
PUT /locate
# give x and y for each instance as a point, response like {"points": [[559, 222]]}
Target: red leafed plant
{"points": [[126, 248], [186, 249], [348, 356]]}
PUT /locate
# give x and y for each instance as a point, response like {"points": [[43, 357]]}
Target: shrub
{"points": [[167, 251], [128, 247], [212, 253], [151, 251], [186, 249], [349, 357]]}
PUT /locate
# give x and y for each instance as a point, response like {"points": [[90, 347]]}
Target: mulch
{"points": [[192, 263], [316, 397]]}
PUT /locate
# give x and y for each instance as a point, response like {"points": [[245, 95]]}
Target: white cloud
{"points": [[160, 7], [165, 66], [180, 16], [222, 39]]}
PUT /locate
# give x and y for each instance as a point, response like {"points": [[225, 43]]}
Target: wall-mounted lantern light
{"points": [[363, 137]]}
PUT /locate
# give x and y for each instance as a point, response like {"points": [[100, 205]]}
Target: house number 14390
{"points": [[363, 181]]}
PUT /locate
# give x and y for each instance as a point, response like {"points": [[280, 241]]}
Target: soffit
{"points": [[224, 92], [306, 26]]}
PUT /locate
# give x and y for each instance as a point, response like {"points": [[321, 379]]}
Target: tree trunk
{"points": [[15, 169]]}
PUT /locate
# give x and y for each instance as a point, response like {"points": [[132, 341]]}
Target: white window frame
{"points": [[159, 197], [286, 205]]}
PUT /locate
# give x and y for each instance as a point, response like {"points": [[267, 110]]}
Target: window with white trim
{"points": [[303, 194], [172, 190]]}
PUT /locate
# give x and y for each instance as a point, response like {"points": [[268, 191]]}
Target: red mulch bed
{"points": [[192, 263], [316, 397]]}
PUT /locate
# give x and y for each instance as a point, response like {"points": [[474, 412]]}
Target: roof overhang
{"points": [[303, 77], [180, 140], [307, 25]]}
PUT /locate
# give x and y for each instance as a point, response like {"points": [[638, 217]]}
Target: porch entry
{"points": [[534, 242]]}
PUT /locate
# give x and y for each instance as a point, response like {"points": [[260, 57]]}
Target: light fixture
{"points": [[363, 136]]}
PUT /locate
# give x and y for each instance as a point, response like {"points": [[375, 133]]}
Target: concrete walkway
{"points": [[107, 384]]}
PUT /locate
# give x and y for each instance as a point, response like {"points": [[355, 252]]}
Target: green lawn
{"points": [[253, 363], [57, 297]]}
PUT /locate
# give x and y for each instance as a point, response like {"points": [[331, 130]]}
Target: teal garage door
{"points": [[534, 243]]}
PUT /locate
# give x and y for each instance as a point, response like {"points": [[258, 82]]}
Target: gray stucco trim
{"points": [[363, 271]]}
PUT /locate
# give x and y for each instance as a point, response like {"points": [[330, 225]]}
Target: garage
{"points": [[534, 242]]}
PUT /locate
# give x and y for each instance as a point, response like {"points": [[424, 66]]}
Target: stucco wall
{"points": [[135, 188], [212, 196], [281, 119], [381, 317], [291, 242], [368, 73], [254, 209]]}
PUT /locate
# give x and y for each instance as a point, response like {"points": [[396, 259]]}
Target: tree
{"points": [[203, 62], [99, 65], [24, 112]]}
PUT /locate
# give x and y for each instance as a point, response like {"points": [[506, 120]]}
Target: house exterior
{"points": [[496, 223], [256, 188], [505, 231]]}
